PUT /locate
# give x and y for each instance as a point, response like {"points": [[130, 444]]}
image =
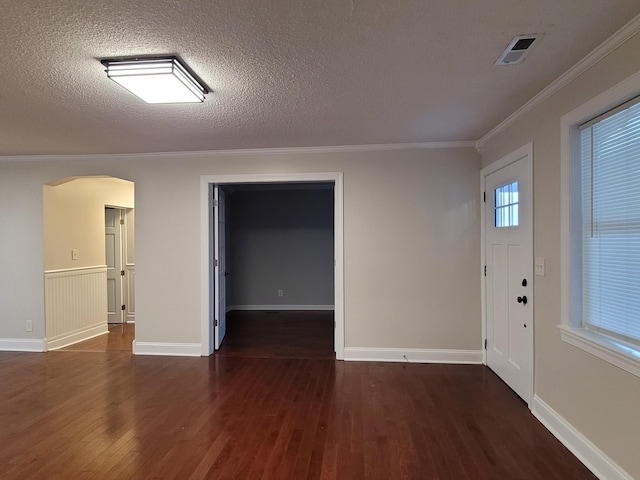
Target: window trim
{"points": [[610, 349]]}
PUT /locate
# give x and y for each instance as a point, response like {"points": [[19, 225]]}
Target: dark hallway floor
{"points": [[282, 334]]}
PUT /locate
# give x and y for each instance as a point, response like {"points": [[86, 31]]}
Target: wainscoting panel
{"points": [[75, 305]]}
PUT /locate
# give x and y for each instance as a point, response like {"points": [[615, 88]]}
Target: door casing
{"points": [[524, 152], [119, 262], [206, 277], [219, 274]]}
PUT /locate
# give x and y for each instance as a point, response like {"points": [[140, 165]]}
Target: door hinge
{"points": [[215, 262], [123, 307], [215, 322], [484, 197], [485, 343], [215, 202], [485, 270], [122, 272], [122, 221]]}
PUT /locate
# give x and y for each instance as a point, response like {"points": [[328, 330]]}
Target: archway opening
{"points": [[89, 259]]}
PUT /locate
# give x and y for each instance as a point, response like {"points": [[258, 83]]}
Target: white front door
{"points": [[220, 273], [509, 269], [113, 258]]}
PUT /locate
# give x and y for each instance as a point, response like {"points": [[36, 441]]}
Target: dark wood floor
{"points": [[111, 415], [119, 339], [279, 334]]}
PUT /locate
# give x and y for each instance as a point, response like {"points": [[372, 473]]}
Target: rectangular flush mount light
{"points": [[156, 80]]}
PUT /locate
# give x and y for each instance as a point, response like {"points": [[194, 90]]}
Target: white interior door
{"points": [[220, 302], [509, 268], [113, 258]]}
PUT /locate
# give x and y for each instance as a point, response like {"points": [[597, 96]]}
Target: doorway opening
{"points": [[265, 296], [275, 247], [120, 262], [88, 230]]}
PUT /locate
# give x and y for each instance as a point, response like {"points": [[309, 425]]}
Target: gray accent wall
{"points": [[281, 240]]}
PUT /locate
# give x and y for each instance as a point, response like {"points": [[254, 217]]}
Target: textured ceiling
{"points": [[284, 73]]}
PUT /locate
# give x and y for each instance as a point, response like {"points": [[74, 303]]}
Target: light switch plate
{"points": [[74, 254], [540, 267]]}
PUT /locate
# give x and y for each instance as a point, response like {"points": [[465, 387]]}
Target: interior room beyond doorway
{"points": [[279, 270]]}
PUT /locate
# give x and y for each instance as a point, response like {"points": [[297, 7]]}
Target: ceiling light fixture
{"points": [[156, 80]]}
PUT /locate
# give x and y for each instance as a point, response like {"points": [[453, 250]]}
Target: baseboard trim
{"points": [[593, 458], [412, 355], [80, 335], [167, 349], [280, 307], [21, 345]]}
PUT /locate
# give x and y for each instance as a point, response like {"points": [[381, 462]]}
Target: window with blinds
{"points": [[610, 160]]}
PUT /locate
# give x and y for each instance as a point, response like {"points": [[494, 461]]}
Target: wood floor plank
{"points": [[119, 338], [298, 414]]}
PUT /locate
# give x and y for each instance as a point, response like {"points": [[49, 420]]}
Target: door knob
{"points": [[522, 299]]}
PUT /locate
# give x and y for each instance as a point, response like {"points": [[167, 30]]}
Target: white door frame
{"points": [[123, 241], [524, 152], [205, 245], [218, 272]]}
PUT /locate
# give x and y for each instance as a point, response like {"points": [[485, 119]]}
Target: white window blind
{"points": [[610, 155]]}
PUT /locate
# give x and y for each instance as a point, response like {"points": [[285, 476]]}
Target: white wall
{"points": [[596, 398], [411, 241], [282, 239]]}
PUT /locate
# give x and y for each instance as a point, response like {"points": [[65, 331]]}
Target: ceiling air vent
{"points": [[517, 50]]}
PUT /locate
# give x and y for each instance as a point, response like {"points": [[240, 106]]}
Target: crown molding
{"points": [[248, 151], [605, 48]]}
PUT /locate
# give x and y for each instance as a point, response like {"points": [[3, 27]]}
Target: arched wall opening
{"points": [[78, 269]]}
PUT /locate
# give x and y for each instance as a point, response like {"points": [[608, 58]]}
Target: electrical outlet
{"points": [[280, 293], [29, 325]]}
